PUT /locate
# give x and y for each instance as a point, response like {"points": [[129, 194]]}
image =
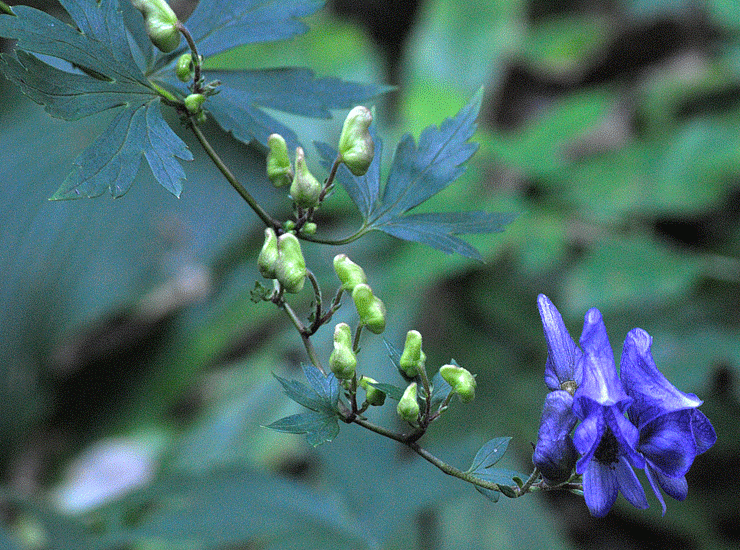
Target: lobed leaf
{"points": [[319, 427], [325, 386], [239, 106], [110, 78], [417, 174], [304, 395]]}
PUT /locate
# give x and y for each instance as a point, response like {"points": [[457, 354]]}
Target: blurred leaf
{"points": [[634, 272], [504, 479], [393, 392], [320, 397], [440, 389], [99, 47], [541, 147], [234, 506]]}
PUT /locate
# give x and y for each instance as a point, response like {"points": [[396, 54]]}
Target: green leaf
{"points": [[321, 398], [489, 454], [110, 79], [319, 427], [504, 479], [390, 390], [230, 507], [219, 25], [417, 173], [239, 106]]}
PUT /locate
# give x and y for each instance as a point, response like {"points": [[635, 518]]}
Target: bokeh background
{"points": [[135, 372]]}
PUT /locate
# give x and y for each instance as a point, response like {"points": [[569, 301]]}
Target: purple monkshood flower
{"points": [[605, 439], [672, 431], [563, 356], [555, 455]]}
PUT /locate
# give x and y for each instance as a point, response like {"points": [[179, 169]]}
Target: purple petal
{"points": [[630, 485], [703, 431], [599, 488], [562, 354], [668, 443], [600, 381], [656, 489], [653, 394], [626, 434], [676, 487], [587, 438], [555, 455]]}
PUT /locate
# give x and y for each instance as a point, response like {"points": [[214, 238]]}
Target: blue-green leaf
{"points": [[440, 390], [319, 427], [325, 386], [489, 454], [419, 172], [239, 106], [109, 78], [306, 396], [219, 25], [390, 390], [504, 479]]}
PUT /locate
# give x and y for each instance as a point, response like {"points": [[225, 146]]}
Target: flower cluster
{"points": [[636, 419]]}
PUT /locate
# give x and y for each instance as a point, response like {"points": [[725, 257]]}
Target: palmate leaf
{"points": [[320, 422], [419, 172], [110, 78], [239, 106]]}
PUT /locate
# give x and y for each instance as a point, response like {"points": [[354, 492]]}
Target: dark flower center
{"points": [[608, 450]]}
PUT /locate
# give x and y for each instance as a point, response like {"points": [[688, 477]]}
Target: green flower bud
{"points": [[194, 102], [161, 23], [268, 258], [288, 225], [356, 146], [279, 169], [309, 228], [413, 358], [343, 360], [462, 382], [373, 395], [305, 189], [370, 308], [349, 273], [184, 67], [291, 267], [408, 406]]}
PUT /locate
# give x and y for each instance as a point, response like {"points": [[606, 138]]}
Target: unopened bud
{"points": [[291, 267], [373, 395], [279, 169], [268, 258], [305, 189], [356, 146], [194, 102], [184, 67], [408, 406], [462, 382], [370, 308], [349, 273], [412, 358], [161, 23], [343, 360], [309, 228]]}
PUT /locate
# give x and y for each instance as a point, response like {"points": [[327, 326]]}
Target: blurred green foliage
{"points": [[612, 129]]}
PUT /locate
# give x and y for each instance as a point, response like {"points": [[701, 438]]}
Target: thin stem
{"points": [[305, 336], [238, 187], [196, 56]]}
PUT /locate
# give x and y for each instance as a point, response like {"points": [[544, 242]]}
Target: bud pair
{"points": [[161, 23], [343, 360], [462, 382], [413, 358], [356, 147], [350, 274], [370, 308], [281, 258]]}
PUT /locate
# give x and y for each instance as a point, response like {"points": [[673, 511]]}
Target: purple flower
{"points": [[672, 432], [563, 367], [605, 439], [555, 455]]}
